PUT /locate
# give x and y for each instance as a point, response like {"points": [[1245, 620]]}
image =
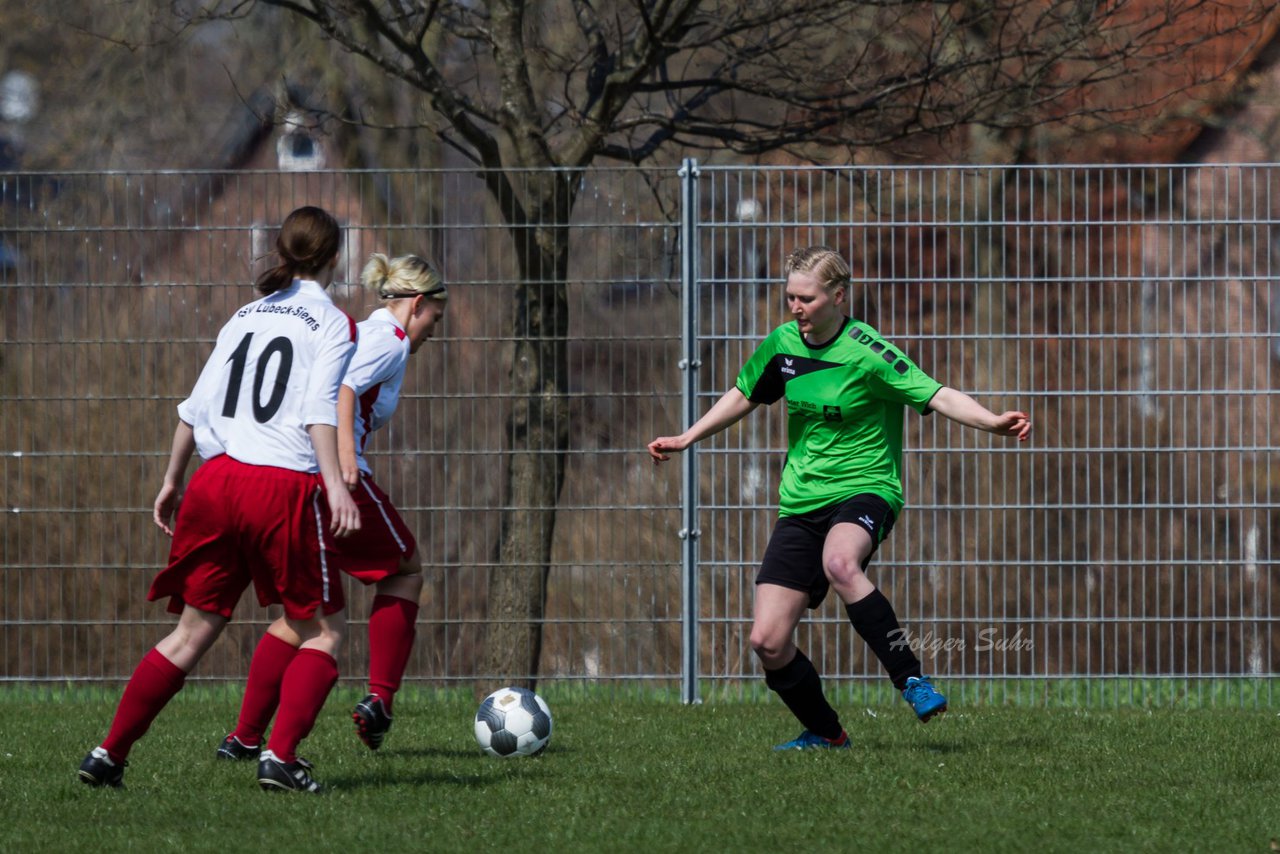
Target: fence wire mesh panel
{"points": [[114, 287], [1134, 314]]}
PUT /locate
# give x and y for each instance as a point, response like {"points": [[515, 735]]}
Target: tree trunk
{"points": [[538, 433]]}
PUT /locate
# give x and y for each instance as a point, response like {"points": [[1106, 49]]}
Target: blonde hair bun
{"points": [[403, 276]]}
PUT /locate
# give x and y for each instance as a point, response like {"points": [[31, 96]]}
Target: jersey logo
{"points": [[797, 366], [771, 383], [401, 334], [831, 413]]}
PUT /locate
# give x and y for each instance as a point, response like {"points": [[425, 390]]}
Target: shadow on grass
{"points": [[476, 772], [455, 753], [386, 779], [428, 752], [949, 743]]}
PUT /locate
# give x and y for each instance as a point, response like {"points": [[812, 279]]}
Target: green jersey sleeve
{"points": [[760, 380], [891, 375]]}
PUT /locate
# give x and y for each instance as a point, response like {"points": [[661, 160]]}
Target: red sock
{"points": [[262, 690], [307, 682], [151, 686], [392, 628]]}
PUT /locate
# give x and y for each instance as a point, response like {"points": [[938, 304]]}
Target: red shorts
{"points": [[383, 541], [240, 523]]}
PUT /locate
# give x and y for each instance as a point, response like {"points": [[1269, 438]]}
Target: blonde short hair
{"points": [[405, 276], [823, 263]]}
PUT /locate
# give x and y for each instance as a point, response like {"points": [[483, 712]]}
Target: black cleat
{"points": [[232, 748], [97, 769], [372, 721], [274, 775]]}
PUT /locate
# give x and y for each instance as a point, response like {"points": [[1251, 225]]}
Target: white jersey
{"points": [[376, 375], [275, 370]]}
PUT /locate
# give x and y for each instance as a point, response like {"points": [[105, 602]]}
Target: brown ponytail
{"points": [[308, 242]]}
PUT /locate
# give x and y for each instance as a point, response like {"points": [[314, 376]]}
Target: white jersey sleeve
{"points": [[276, 368], [376, 375]]}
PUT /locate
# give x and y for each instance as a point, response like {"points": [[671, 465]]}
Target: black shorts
{"points": [[793, 557]]}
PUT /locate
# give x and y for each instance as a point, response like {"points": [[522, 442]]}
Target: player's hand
{"points": [[1012, 424], [660, 447], [350, 473], [166, 506], [344, 515]]}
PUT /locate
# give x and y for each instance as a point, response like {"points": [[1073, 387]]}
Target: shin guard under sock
{"points": [[873, 618], [392, 628], [262, 690], [153, 684], [798, 685], [307, 682]]}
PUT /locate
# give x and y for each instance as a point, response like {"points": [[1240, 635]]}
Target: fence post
{"points": [[689, 363]]}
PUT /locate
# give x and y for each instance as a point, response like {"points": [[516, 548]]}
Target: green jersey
{"points": [[845, 402]]}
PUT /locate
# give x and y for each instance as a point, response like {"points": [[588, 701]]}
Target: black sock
{"points": [[873, 618], [800, 687]]}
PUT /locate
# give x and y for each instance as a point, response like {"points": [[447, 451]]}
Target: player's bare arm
{"points": [[963, 409], [347, 437], [166, 504], [346, 516], [727, 411]]}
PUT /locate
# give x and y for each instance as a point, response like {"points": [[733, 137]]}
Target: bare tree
{"points": [[553, 86]]}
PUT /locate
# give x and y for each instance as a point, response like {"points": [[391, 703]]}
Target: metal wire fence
{"points": [[1133, 311]]}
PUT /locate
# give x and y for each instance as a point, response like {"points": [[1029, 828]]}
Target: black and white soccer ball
{"points": [[513, 722]]}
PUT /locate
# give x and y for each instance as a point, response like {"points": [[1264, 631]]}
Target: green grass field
{"points": [[635, 774]]}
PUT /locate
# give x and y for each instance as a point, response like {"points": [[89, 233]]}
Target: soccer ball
{"points": [[513, 722]]}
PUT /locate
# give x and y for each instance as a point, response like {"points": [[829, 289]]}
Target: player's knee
{"points": [[413, 586], [842, 571], [332, 640], [401, 586], [188, 647], [194, 634], [282, 630], [334, 626], [328, 639], [768, 645], [411, 565], [324, 633], [198, 639]]}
